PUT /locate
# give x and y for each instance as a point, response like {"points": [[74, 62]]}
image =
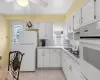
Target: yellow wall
{"points": [[76, 5], [37, 18], [4, 40]]}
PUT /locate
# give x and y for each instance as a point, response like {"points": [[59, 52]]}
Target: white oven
{"points": [[90, 58], [90, 50]]}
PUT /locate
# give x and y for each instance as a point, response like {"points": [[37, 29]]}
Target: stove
{"points": [[75, 52]]}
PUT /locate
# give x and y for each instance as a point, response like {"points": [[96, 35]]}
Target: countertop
{"points": [[46, 47], [61, 47]]}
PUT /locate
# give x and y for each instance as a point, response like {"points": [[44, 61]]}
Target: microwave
{"points": [[91, 30]]}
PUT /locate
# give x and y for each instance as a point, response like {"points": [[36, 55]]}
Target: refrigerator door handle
{"points": [[26, 43]]}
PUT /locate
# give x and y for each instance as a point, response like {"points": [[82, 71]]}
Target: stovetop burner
{"points": [[75, 53]]}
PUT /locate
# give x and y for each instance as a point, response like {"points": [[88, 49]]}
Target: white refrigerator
{"points": [[28, 45]]}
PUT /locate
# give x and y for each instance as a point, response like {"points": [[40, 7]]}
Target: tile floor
{"points": [[43, 75]]}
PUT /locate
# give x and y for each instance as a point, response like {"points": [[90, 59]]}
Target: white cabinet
{"points": [[65, 29], [40, 60], [70, 25], [62, 59], [88, 12], [55, 58], [49, 30], [77, 20], [97, 8], [48, 58], [64, 65], [43, 58], [46, 30], [42, 31], [70, 74]]}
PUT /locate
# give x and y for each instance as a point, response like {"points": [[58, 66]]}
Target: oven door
{"points": [[90, 58]]}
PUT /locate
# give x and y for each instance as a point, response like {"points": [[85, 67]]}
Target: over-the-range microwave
{"points": [[90, 30]]}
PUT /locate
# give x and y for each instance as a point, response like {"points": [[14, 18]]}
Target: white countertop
{"points": [[60, 47], [50, 47]]}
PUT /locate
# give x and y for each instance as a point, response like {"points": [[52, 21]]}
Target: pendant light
{"points": [[22, 3]]}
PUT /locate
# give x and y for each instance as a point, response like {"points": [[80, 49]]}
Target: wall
{"points": [[4, 46], [36, 18], [4, 40]]}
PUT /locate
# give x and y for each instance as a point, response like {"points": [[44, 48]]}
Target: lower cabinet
{"points": [[55, 58], [48, 58], [40, 60], [64, 68], [67, 67], [70, 74], [43, 60]]}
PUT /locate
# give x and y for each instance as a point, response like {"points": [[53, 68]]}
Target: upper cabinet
{"points": [[65, 30], [97, 7], [70, 25], [49, 30], [77, 20], [42, 31], [46, 30], [88, 12]]}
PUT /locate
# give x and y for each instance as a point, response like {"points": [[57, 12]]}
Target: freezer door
{"points": [[26, 37]]}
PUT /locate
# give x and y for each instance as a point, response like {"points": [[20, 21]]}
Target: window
{"points": [[58, 35], [17, 29]]}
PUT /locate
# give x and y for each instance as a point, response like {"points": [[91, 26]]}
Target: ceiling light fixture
{"points": [[22, 3]]}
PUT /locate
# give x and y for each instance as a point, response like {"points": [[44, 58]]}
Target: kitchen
{"points": [[63, 46]]}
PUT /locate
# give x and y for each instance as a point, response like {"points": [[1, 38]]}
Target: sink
{"points": [[68, 48]]}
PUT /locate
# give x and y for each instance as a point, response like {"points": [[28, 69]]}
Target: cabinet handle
{"points": [[70, 67]]}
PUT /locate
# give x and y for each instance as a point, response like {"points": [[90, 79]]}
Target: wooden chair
{"points": [[15, 59], [9, 76]]}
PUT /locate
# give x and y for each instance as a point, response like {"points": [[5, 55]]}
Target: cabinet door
{"points": [[77, 20], [46, 59], [70, 75], [65, 29], [49, 30], [42, 31], [62, 59], [55, 60], [70, 25], [88, 12], [97, 9], [40, 60]]}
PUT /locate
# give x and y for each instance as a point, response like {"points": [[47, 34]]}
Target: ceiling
{"points": [[54, 7]]}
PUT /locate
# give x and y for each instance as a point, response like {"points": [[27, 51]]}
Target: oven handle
{"points": [[84, 76]]}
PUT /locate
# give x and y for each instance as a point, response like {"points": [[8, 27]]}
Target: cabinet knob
{"points": [[42, 54]]}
